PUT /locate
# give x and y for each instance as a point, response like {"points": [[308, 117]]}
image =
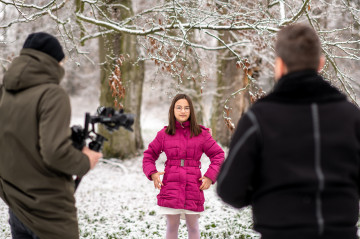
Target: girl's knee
{"points": [[192, 222], [173, 221]]}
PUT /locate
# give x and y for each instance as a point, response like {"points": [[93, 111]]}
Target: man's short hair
{"points": [[299, 47]]}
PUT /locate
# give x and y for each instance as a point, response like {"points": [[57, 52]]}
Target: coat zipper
{"points": [[318, 169]]}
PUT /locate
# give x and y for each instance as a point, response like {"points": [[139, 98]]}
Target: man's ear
{"points": [[280, 68], [321, 63]]}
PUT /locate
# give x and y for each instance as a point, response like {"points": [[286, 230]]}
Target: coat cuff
{"points": [[84, 166], [211, 175], [149, 174]]}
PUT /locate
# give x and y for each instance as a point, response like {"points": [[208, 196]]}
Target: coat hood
{"points": [[30, 69]]}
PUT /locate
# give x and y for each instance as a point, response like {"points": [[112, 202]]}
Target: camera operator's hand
{"points": [[156, 178], [92, 155]]}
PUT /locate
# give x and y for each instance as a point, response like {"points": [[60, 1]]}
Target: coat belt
{"points": [[183, 163]]}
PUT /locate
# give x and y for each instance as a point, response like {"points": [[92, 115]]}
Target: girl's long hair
{"points": [[194, 127]]}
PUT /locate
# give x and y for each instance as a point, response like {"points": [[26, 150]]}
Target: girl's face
{"points": [[182, 110]]}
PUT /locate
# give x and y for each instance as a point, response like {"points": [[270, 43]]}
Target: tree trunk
{"points": [[122, 143], [229, 79]]}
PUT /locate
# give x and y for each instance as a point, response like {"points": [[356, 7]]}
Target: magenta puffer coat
{"points": [[182, 168]]}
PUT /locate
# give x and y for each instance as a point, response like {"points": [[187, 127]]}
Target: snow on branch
{"points": [[44, 10], [21, 4], [176, 34], [294, 18], [185, 27]]}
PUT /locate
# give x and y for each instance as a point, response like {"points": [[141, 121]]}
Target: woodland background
{"points": [[138, 54]]}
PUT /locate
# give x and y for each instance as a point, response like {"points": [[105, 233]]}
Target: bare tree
{"points": [[252, 25], [164, 31], [118, 50], [19, 19]]}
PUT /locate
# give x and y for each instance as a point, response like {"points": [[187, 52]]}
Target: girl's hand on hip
{"points": [[206, 183], [157, 181]]}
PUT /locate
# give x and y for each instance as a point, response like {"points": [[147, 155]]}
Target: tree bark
{"points": [[122, 143], [229, 79]]}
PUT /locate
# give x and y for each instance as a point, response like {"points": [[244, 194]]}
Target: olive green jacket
{"points": [[37, 159]]}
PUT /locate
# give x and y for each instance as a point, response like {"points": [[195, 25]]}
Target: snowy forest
{"points": [[137, 54]]}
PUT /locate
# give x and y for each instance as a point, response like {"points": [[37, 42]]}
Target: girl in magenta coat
{"points": [[181, 190]]}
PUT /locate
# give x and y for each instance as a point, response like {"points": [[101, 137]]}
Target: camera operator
{"points": [[37, 159], [295, 154]]}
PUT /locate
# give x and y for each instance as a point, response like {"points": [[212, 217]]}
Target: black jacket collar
{"points": [[304, 87]]}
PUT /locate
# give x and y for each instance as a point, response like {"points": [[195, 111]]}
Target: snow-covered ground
{"points": [[116, 200]]}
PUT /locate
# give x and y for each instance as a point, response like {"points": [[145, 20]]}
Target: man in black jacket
{"points": [[295, 154]]}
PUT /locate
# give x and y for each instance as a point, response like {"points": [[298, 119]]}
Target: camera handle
{"points": [[95, 145], [107, 116]]}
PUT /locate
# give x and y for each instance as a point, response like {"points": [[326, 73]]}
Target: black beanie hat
{"points": [[46, 43]]}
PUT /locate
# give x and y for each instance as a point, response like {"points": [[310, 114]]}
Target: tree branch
{"points": [[297, 15], [44, 11]]}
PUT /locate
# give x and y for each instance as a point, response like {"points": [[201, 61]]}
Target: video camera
{"points": [[106, 116]]}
